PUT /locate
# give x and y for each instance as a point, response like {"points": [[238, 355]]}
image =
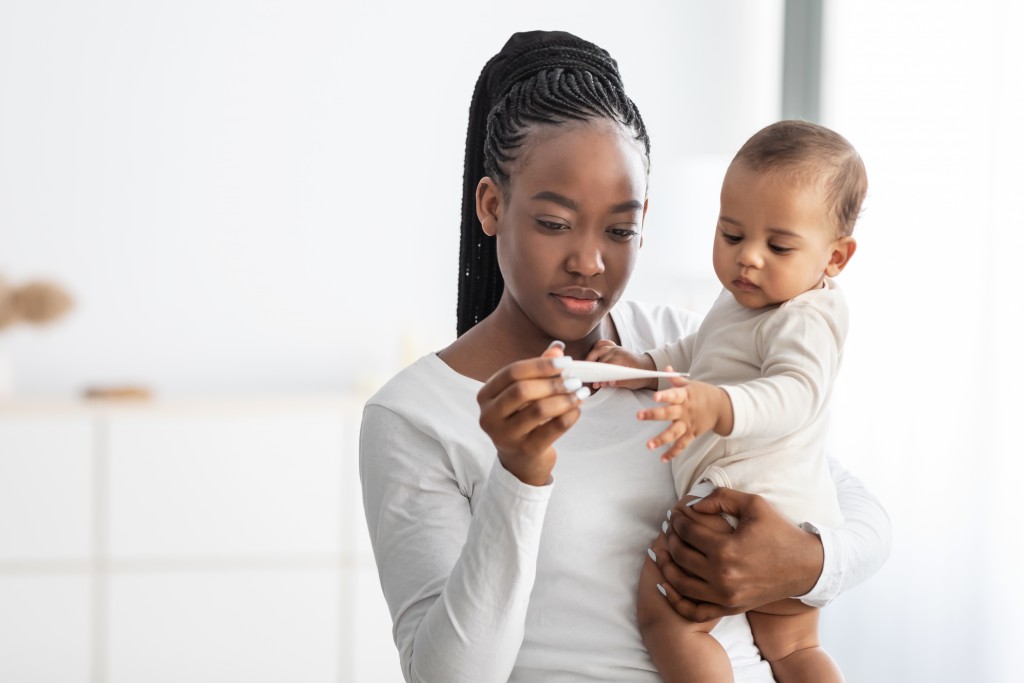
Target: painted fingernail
{"points": [[572, 383], [582, 393], [664, 527], [650, 554], [668, 514], [661, 589], [556, 345], [561, 362]]}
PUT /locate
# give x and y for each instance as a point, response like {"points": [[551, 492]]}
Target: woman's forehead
{"points": [[581, 154]]}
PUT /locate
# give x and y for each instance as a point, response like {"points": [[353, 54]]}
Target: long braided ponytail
{"points": [[539, 77]]}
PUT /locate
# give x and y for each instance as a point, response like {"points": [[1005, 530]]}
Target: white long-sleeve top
{"points": [[778, 365], [489, 579]]}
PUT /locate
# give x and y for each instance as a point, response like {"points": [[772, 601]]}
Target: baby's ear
{"points": [[842, 251]]}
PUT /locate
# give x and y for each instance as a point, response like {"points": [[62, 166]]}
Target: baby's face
{"points": [[774, 239]]}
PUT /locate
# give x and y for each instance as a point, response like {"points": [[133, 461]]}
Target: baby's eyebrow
{"points": [[784, 231], [731, 221]]}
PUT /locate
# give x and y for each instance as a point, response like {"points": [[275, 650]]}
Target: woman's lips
{"points": [[580, 301], [574, 305]]}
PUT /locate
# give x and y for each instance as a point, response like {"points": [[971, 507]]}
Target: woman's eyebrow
{"points": [[547, 195], [623, 207], [629, 206]]}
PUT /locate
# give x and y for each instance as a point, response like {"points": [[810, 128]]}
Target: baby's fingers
{"points": [[673, 395], [662, 413], [601, 348], [675, 432], [678, 447], [675, 381]]}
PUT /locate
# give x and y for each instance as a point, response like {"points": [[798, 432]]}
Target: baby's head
{"points": [[790, 199]]}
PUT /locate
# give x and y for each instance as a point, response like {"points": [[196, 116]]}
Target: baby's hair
{"points": [[817, 153], [538, 78]]}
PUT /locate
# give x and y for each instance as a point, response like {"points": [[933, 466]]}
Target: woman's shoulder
{"points": [[425, 385], [646, 326]]}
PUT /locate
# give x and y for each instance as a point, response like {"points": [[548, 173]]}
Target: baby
{"points": [[761, 370]]}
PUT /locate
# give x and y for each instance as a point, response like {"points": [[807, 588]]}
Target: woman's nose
{"points": [[586, 258]]}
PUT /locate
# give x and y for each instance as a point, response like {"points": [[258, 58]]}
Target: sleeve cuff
{"points": [[830, 581], [509, 483], [661, 359]]}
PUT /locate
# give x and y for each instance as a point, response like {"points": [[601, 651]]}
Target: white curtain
{"points": [[928, 410]]}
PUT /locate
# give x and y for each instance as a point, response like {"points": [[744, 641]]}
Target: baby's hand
{"points": [[694, 408], [607, 351]]}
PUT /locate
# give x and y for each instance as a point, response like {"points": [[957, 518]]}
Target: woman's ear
{"points": [[842, 251], [488, 205], [643, 219]]}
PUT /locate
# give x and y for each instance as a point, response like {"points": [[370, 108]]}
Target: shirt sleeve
{"points": [[456, 573], [678, 354], [858, 548]]}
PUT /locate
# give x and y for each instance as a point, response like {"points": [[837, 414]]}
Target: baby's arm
{"points": [[693, 408], [800, 347]]}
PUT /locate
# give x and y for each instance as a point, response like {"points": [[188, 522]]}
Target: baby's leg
{"points": [[683, 651], [786, 633]]}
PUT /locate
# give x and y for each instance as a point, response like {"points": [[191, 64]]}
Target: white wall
{"points": [[264, 196]]}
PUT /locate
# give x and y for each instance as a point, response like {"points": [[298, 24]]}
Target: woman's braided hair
{"points": [[539, 77]]}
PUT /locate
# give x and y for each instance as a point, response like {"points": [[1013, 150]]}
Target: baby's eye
{"points": [[731, 239], [780, 250]]}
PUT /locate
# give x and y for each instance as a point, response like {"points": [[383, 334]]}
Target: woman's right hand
{"points": [[525, 407]]}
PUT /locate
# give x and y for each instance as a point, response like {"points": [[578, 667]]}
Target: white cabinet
{"points": [[205, 541]]}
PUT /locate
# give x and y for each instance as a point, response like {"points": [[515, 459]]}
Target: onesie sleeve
{"points": [[800, 349], [858, 548], [678, 354], [457, 579]]}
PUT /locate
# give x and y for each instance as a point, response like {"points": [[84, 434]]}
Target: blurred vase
{"points": [[6, 378]]}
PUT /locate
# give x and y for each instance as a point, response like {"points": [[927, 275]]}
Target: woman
{"points": [[492, 570]]}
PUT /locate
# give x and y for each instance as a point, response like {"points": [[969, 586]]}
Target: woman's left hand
{"points": [[715, 570]]}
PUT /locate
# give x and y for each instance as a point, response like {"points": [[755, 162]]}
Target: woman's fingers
{"points": [[678, 587], [540, 438], [530, 397], [538, 413], [547, 366]]}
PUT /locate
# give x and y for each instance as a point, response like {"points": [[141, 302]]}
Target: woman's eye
{"points": [[552, 226], [623, 234]]}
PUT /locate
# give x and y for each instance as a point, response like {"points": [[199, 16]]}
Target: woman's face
{"points": [[569, 230]]}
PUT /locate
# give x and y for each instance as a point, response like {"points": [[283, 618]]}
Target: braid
{"points": [[539, 77]]}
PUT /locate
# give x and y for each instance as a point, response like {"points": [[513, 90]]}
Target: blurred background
{"points": [[252, 209]]}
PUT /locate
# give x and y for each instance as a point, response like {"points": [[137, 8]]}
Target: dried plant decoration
{"points": [[38, 302]]}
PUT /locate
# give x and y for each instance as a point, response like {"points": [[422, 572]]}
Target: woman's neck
{"points": [[500, 339]]}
